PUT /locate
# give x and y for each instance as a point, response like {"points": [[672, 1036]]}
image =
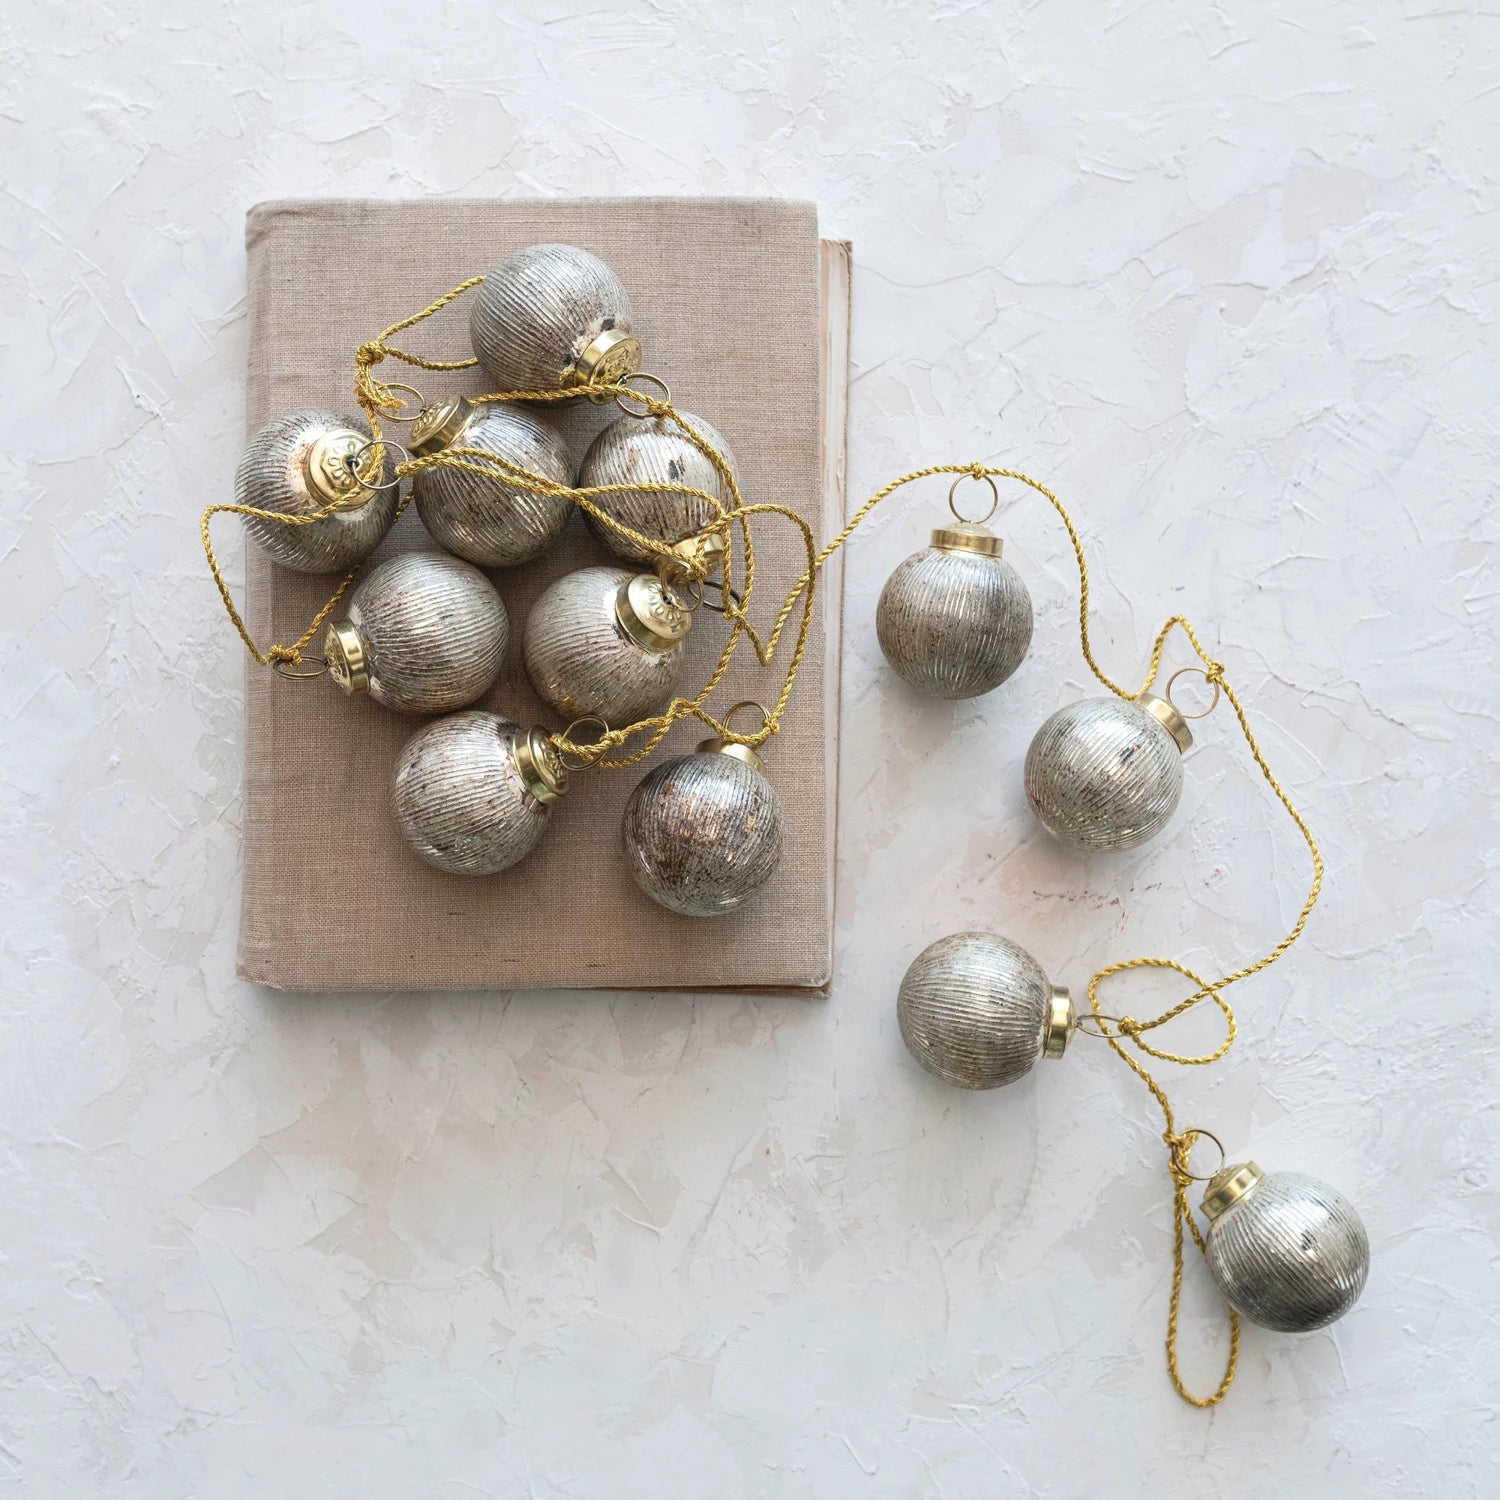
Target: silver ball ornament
{"points": [[424, 634], [977, 1010], [955, 619], [1287, 1251], [479, 516], [702, 833], [653, 450], [1106, 774], [472, 792], [299, 464], [550, 316], [605, 643]]}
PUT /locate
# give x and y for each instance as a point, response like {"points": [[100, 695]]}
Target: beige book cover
{"points": [[745, 312]]}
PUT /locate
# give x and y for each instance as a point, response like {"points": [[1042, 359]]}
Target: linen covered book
{"points": [[744, 312]]}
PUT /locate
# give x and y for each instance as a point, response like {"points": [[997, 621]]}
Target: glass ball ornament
{"points": [[1286, 1250], [1105, 775], [424, 633], [955, 619], [480, 517], [553, 316], [472, 792], [653, 450], [702, 833], [298, 464], [606, 643], [978, 1011]]}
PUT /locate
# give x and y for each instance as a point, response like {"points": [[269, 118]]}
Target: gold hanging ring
{"points": [[693, 602], [728, 591], [994, 500], [584, 761], [622, 397], [1197, 1133], [1098, 1031], [397, 385], [1213, 702], [352, 462], [295, 675], [765, 713]]}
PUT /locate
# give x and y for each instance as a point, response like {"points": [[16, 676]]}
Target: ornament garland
{"points": [[473, 792]]}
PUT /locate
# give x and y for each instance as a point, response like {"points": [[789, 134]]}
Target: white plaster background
{"points": [[1227, 276]]}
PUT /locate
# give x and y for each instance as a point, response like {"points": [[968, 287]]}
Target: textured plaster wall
{"points": [[1227, 276]]}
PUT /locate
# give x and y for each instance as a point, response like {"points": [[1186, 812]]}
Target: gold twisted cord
{"points": [[734, 520], [1179, 1144]]}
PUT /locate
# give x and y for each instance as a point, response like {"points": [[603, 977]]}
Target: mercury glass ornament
{"points": [[702, 833], [1106, 774], [955, 618], [480, 517], [301, 463], [550, 316], [978, 1011], [653, 450], [425, 633], [605, 643], [473, 792], [1287, 1251]]}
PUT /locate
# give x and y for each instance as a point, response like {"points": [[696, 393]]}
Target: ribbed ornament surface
{"points": [[702, 833], [272, 475], [485, 520], [434, 632], [954, 624], [973, 1009], [535, 313], [460, 801], [1291, 1255], [1103, 775], [583, 664], [652, 450]]}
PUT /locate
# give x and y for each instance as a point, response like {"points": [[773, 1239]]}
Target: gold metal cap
{"points": [[649, 614], [1175, 724], [968, 536], [1062, 1022], [344, 651], [613, 355], [540, 765], [1228, 1185], [327, 465], [734, 750], [437, 426]]}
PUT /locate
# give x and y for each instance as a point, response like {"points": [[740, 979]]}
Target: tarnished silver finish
{"points": [[483, 519], [424, 633], [702, 833], [1287, 1251], [591, 653], [977, 1010], [653, 450], [465, 792], [549, 316], [1105, 774], [295, 466], [955, 619]]}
